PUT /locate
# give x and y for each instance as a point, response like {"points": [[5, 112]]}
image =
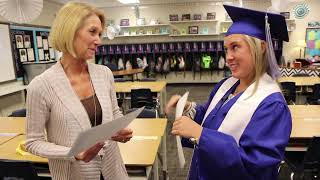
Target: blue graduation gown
{"points": [[261, 146]]}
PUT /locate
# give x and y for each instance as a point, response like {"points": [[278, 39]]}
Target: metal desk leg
{"points": [[164, 155], [155, 169]]}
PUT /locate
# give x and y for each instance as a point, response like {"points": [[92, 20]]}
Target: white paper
{"points": [[45, 44], [41, 54], [101, 133], [179, 110]]}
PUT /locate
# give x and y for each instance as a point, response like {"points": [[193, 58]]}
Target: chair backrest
{"points": [[141, 97], [316, 92], [146, 113], [19, 113], [22, 170], [312, 156], [289, 89], [301, 75]]}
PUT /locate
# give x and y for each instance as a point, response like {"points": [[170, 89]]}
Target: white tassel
{"points": [[272, 61]]}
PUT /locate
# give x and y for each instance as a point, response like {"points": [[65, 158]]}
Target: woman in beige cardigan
{"points": [[72, 96]]}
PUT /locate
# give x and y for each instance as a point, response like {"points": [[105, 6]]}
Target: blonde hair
{"points": [[68, 21], [259, 57]]}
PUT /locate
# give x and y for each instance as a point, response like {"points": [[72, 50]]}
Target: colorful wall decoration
{"points": [[313, 42]]}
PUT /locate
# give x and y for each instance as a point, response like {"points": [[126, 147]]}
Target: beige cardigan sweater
{"points": [[55, 116]]}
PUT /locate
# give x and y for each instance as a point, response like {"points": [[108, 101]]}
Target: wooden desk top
{"points": [[127, 72], [141, 127], [301, 81], [148, 127], [140, 151], [12, 125], [8, 151], [125, 87], [305, 121]]}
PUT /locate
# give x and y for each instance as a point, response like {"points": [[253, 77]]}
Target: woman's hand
{"points": [[186, 127], [123, 135], [90, 153], [171, 104]]}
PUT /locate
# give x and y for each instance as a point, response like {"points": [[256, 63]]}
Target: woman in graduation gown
{"points": [[243, 129]]}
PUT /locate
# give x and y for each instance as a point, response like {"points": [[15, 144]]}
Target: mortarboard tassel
{"points": [[272, 61]]}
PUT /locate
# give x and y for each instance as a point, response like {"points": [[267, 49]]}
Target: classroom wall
{"points": [[16, 100], [291, 51]]}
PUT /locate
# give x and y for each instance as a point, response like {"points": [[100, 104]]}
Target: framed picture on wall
{"points": [[312, 42], [39, 41], [27, 43], [193, 29], [23, 55], [211, 15], [19, 41], [51, 52], [45, 44], [124, 22], [186, 17], [173, 17], [197, 17], [30, 54], [41, 54]]}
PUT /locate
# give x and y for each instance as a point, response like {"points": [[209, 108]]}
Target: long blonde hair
{"points": [[259, 57], [68, 21]]}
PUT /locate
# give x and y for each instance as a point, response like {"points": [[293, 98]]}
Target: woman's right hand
{"points": [[171, 104], [90, 153]]}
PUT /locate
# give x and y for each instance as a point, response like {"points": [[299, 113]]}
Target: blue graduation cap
{"points": [[252, 23], [262, 25]]}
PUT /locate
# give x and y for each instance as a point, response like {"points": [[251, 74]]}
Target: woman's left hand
{"points": [[124, 135], [186, 127]]}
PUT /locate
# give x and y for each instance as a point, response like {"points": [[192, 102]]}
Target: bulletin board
{"points": [[313, 42], [7, 71]]}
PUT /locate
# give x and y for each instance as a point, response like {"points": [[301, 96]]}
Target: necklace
{"points": [[94, 102]]}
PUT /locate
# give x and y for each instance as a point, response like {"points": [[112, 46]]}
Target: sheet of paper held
{"points": [[179, 110], [100, 133]]}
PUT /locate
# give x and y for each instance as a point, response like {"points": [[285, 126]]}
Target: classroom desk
{"points": [[305, 125], [12, 125], [141, 151], [301, 81], [158, 87]]}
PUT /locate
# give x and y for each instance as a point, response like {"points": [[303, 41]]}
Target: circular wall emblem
{"points": [[301, 10]]}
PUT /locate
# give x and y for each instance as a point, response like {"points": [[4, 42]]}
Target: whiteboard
{"points": [[7, 71]]}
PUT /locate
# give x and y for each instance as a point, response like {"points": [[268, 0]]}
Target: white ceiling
{"points": [[115, 3]]}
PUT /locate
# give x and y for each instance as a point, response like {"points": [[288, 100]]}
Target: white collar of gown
{"points": [[242, 110]]}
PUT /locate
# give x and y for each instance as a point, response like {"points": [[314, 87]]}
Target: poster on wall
{"points": [[19, 41], [313, 42], [41, 54], [23, 55], [30, 54], [45, 44], [51, 52], [39, 41], [26, 39]]}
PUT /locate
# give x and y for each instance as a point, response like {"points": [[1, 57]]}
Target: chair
{"points": [[19, 113], [146, 113], [309, 168], [289, 91], [315, 97], [301, 75], [142, 97], [147, 79], [22, 170]]}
